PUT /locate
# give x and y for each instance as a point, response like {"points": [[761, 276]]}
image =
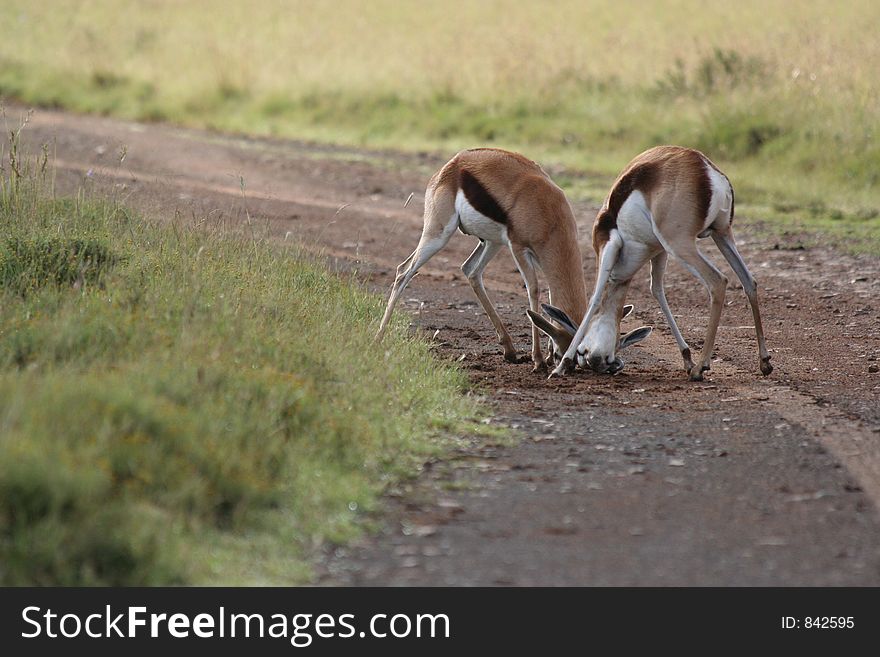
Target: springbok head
{"points": [[602, 343]]}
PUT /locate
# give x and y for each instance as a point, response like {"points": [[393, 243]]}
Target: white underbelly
{"points": [[635, 223], [477, 224], [636, 226]]}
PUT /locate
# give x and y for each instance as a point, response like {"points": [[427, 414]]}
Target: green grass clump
{"points": [[28, 264], [191, 405]]}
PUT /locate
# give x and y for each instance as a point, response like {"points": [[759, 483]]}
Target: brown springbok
{"points": [[663, 201], [503, 199]]}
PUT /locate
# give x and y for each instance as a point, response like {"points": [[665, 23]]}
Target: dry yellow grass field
{"points": [[478, 49], [785, 95]]}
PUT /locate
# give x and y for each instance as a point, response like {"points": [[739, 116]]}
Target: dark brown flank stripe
{"points": [[481, 200], [704, 194], [732, 199], [642, 177]]}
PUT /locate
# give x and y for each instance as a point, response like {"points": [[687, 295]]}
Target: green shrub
{"points": [[737, 135]]}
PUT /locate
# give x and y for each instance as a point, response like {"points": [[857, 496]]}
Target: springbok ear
{"points": [[632, 337], [627, 311], [555, 313], [556, 334]]}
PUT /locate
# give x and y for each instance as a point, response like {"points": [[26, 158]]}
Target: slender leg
{"points": [[530, 277], [473, 268], [434, 237], [550, 360], [727, 246], [658, 269], [716, 282]]}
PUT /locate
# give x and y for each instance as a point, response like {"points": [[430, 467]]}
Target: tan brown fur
{"points": [[674, 183], [540, 218]]}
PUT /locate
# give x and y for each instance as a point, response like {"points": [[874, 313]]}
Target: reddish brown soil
{"points": [[641, 478]]}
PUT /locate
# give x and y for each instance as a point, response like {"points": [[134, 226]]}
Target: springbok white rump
{"points": [[504, 199], [663, 201]]}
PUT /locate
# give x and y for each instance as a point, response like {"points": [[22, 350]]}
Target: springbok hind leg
{"points": [[530, 276], [725, 243], [434, 237]]}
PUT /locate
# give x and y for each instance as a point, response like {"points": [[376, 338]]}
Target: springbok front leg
{"points": [[658, 269], [689, 255], [724, 242], [530, 276], [473, 268]]}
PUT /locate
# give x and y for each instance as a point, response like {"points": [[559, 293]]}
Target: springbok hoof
{"points": [[766, 367], [539, 366], [566, 365], [512, 357], [688, 361], [696, 373]]}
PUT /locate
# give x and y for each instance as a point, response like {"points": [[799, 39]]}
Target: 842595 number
{"points": [[828, 622], [818, 622]]}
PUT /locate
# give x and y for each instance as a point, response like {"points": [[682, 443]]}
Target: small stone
{"points": [[451, 506], [424, 530]]}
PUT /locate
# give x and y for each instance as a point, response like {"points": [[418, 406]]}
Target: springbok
{"points": [[503, 199], [663, 201]]}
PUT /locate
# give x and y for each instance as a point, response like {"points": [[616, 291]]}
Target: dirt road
{"points": [[642, 478]]}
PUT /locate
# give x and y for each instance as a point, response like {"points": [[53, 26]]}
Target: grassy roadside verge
{"points": [[182, 404]]}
